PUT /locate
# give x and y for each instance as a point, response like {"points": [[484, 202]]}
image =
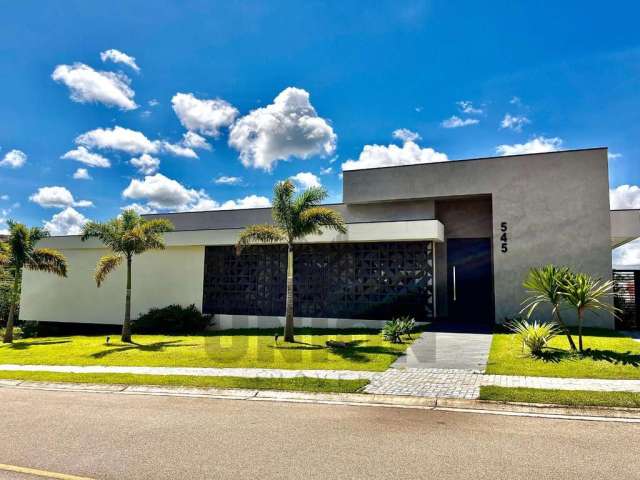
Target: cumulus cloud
{"points": [[177, 150], [226, 180], [326, 171], [67, 222], [118, 138], [613, 156], [59, 197], [139, 208], [162, 192], [627, 255], [146, 164], [81, 174], [81, 154], [624, 197], [193, 140], [289, 127], [250, 201], [535, 145], [90, 86], [406, 135], [13, 159], [204, 116], [392, 155], [467, 107], [306, 180], [456, 122], [116, 56], [514, 122]]}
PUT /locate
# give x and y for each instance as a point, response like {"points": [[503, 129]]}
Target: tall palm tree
{"points": [[20, 252], [585, 293], [545, 285], [295, 217], [126, 236]]}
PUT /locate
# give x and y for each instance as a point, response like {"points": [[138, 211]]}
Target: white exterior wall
{"points": [[160, 278]]}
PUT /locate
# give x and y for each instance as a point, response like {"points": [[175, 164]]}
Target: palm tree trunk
{"points": [[8, 331], [580, 329], [567, 332], [288, 322], [126, 326]]}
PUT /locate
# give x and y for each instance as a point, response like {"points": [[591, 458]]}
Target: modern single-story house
{"points": [[451, 241]]}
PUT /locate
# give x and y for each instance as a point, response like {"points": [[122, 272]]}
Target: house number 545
{"points": [[504, 237]]}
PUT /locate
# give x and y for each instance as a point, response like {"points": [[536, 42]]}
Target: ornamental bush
{"points": [[172, 319]]}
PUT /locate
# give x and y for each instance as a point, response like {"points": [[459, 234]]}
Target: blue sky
{"points": [[567, 73]]}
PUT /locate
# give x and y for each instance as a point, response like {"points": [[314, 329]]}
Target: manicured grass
{"points": [[574, 398], [290, 384], [366, 350], [609, 355]]}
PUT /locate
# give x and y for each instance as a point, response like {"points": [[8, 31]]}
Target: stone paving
{"points": [[452, 383]]}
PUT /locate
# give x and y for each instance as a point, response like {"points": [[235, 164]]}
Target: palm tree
{"points": [[126, 235], [295, 217], [20, 252], [545, 285], [585, 293]]}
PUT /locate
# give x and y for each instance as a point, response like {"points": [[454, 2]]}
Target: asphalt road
{"points": [[107, 436]]}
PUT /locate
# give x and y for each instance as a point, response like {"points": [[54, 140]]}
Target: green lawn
{"points": [[574, 398], [610, 355], [239, 348], [289, 384]]}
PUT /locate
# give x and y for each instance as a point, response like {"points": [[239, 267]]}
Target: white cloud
{"points": [[4, 197], [627, 255], [178, 150], [117, 56], [392, 155], [88, 85], [81, 154], [515, 101], [514, 122], [535, 145], [226, 180], [613, 156], [162, 192], [118, 138], [153, 102], [456, 122], [204, 116], [467, 107], [59, 197], [306, 180], [406, 135], [193, 140], [624, 197], [251, 201], [14, 159], [146, 164], [67, 222], [326, 171], [81, 174], [289, 127], [139, 209]]}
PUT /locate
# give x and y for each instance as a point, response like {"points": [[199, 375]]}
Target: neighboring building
{"points": [[451, 240]]}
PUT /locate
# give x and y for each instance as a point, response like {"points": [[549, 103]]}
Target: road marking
{"points": [[40, 473]]}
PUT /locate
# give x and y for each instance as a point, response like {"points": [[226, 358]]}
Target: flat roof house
{"points": [[451, 241]]}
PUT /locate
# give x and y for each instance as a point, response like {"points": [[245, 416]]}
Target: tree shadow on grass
{"points": [[27, 345], [149, 347], [617, 358]]}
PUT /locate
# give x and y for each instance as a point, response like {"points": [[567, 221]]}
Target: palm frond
{"points": [[260, 234], [158, 225], [108, 233], [281, 209], [5, 255], [47, 260], [323, 217], [106, 265], [311, 197]]}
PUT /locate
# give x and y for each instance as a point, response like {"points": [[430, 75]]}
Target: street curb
{"points": [[614, 414]]}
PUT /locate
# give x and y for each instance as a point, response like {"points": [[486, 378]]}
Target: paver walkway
{"points": [[447, 350], [198, 372], [423, 382]]}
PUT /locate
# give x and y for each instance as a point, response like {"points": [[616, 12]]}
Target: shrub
{"points": [[392, 331], [407, 324], [173, 319], [29, 329], [534, 336]]}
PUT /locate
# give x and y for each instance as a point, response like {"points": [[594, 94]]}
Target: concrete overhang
{"points": [[625, 226], [411, 230]]}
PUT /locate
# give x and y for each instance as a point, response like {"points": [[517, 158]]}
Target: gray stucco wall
{"points": [[556, 206]]}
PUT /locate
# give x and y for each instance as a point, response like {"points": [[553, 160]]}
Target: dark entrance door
{"points": [[470, 283]]}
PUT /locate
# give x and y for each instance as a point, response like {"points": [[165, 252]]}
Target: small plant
{"points": [[29, 329], [534, 335], [392, 331], [407, 324], [173, 319]]}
